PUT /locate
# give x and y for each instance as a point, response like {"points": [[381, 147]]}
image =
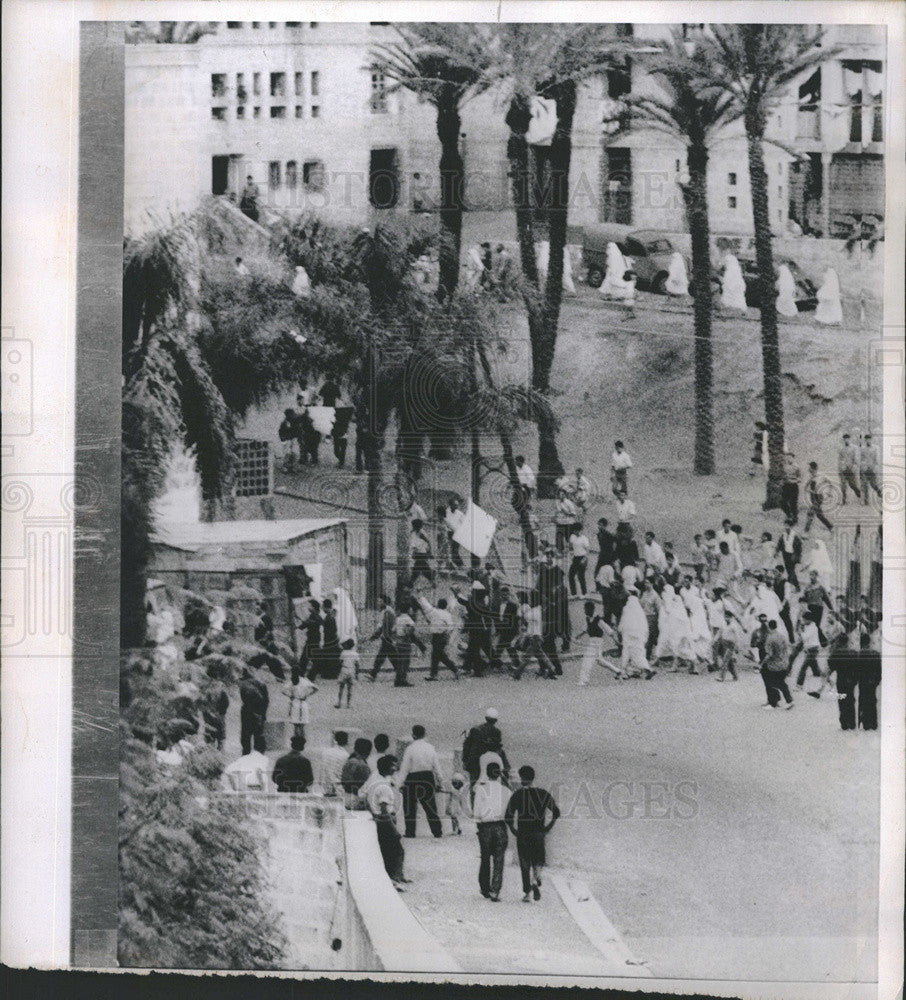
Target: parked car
{"points": [[649, 249], [806, 290]]}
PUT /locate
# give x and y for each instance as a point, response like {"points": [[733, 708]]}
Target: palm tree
{"points": [[445, 64], [755, 63], [168, 32], [692, 111], [550, 61]]}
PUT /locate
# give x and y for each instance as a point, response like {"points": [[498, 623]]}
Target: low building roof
{"points": [[191, 537]]}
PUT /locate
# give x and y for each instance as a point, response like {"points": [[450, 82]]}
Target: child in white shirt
{"points": [[349, 668]]}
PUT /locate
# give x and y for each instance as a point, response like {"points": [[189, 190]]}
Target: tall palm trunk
{"points": [[452, 181], [509, 460], [370, 433], [770, 345], [518, 119], [695, 195]]}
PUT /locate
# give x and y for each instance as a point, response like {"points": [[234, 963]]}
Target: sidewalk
{"points": [[506, 937]]}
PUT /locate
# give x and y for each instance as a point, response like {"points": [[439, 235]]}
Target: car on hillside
{"points": [[806, 289], [649, 249]]}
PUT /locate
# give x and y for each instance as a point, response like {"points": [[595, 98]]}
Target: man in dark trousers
{"points": [[844, 663], [421, 776], [815, 490], [869, 680], [525, 816], [381, 801], [292, 772], [387, 648], [477, 626], [254, 703], [506, 628], [775, 666], [816, 598], [789, 548], [340, 433], [489, 809]]}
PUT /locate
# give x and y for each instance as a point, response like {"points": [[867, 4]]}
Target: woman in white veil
{"points": [[733, 286], [347, 623], [634, 636], [830, 310], [674, 631], [677, 282], [786, 292], [698, 620], [818, 559], [614, 285]]}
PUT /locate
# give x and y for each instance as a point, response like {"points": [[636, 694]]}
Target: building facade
{"points": [[297, 107]]}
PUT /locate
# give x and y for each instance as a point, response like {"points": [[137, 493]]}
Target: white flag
{"points": [[475, 531]]}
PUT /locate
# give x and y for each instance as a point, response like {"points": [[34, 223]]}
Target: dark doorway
{"points": [[616, 200], [219, 174], [383, 178]]}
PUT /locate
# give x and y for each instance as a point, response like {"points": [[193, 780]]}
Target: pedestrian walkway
{"points": [[506, 937]]}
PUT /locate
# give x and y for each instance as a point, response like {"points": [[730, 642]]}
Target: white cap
{"points": [[491, 713], [478, 585]]}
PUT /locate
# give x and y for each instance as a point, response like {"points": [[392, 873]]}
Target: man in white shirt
{"points": [[579, 488], [630, 575], [653, 554], [381, 800], [489, 812], [440, 625], [625, 511], [419, 778], [620, 464], [848, 467], [331, 763], [453, 519], [869, 466], [579, 547], [728, 535], [248, 773], [526, 476], [810, 643]]}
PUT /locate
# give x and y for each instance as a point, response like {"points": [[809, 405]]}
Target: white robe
{"points": [[698, 621], [634, 635], [764, 602], [347, 623], [733, 287], [786, 292], [829, 310], [614, 285], [543, 257], [674, 630], [677, 282]]}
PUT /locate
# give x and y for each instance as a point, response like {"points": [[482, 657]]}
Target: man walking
{"points": [[606, 545], [579, 547], [440, 624], [404, 638], [869, 465], [387, 648], [525, 816], [814, 490], [420, 777], [254, 698], [848, 467], [489, 811], [775, 667]]}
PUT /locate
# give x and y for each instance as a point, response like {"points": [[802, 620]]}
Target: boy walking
{"points": [[525, 816], [349, 669]]}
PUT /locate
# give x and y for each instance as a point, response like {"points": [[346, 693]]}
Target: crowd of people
{"points": [[394, 786]]}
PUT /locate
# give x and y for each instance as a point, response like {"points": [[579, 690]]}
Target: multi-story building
{"points": [[298, 107]]}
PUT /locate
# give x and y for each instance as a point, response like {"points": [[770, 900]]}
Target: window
{"points": [[272, 24], [218, 84], [273, 176], [241, 92], [677, 166], [234, 24], [315, 85], [313, 174], [863, 81], [808, 114], [731, 202], [291, 178], [316, 111], [731, 179], [297, 80], [278, 84], [256, 83], [293, 24], [256, 113], [383, 178], [299, 112], [619, 81], [378, 92], [278, 111], [256, 24], [240, 111], [314, 24], [254, 469], [219, 114]]}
